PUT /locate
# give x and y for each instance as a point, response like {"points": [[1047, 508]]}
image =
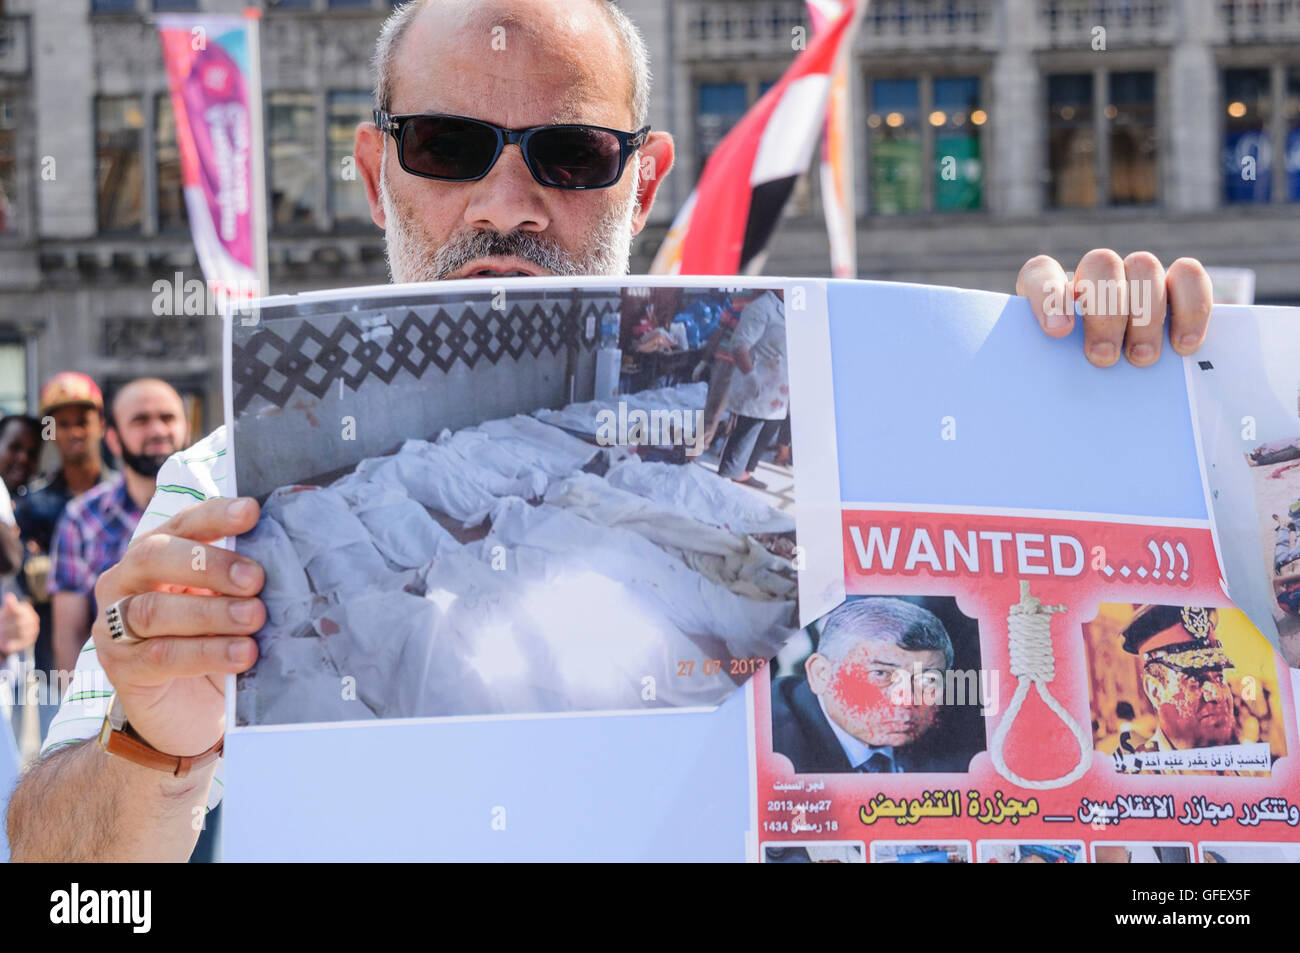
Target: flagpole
{"points": [[838, 170], [851, 135], [253, 16]]}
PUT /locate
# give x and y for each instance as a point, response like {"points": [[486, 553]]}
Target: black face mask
{"points": [[145, 464]]}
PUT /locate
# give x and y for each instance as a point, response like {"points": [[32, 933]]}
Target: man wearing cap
{"points": [[146, 425], [72, 412], [1182, 677]]}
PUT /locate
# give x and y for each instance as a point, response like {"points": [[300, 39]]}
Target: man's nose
{"points": [[508, 197]]}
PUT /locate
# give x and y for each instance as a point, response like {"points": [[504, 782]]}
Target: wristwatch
{"points": [[117, 738]]}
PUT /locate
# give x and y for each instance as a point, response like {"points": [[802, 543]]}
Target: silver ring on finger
{"points": [[118, 628]]}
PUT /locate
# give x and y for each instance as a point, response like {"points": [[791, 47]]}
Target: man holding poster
{"points": [[457, 198]]}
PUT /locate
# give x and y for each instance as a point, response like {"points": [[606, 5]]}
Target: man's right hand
{"points": [[19, 625], [192, 608]]}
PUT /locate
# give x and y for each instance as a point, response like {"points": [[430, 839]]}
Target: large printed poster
{"points": [[525, 543], [1036, 660], [1245, 387], [553, 575]]}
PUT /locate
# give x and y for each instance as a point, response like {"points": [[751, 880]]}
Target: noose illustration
{"points": [[1029, 634]]}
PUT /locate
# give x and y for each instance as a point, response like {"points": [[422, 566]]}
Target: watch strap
{"points": [[124, 743]]}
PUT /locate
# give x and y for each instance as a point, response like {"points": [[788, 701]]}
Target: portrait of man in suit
{"points": [[870, 696]]}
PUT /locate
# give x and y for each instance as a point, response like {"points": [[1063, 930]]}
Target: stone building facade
{"points": [[984, 131]]}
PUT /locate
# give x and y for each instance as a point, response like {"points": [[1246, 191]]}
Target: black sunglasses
{"points": [[459, 149]]}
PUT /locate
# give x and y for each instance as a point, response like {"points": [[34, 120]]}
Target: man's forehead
{"points": [[888, 652], [146, 397], [533, 62]]}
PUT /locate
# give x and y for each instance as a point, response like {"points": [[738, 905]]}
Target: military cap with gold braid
{"points": [[1181, 637]]}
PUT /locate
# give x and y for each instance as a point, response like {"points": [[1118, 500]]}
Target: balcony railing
{"points": [[1126, 23], [737, 30], [1259, 21], [927, 25]]}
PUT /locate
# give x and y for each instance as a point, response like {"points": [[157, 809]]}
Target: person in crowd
{"points": [[146, 425], [20, 451], [19, 624], [20, 443], [71, 408], [718, 363], [760, 387]]}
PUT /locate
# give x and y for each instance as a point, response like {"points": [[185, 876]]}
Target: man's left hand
{"points": [[1123, 302]]}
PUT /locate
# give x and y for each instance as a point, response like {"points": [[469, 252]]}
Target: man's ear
{"points": [[368, 151], [114, 441], [819, 670], [653, 161], [1154, 688]]}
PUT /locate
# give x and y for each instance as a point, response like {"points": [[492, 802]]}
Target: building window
{"points": [[958, 163], [895, 154], [721, 106], [119, 124], [347, 194], [1115, 110], [1247, 146], [113, 6], [172, 214], [919, 122], [1071, 142], [8, 166], [1131, 114], [294, 169], [13, 377], [164, 6]]}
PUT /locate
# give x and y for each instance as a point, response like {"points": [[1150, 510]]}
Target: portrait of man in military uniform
{"points": [[1183, 667], [1184, 690]]}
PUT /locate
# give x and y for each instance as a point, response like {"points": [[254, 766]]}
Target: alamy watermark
{"points": [[954, 686], [657, 427]]}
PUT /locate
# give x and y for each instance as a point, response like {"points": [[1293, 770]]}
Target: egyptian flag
{"points": [[729, 217]]}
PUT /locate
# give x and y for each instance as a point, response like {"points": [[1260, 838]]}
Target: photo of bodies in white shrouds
{"points": [[538, 563]]}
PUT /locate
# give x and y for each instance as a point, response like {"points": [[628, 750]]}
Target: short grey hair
{"points": [[634, 48], [886, 620]]}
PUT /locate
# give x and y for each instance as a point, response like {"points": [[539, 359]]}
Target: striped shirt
{"points": [[188, 477]]}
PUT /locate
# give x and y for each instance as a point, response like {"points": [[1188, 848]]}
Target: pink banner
{"points": [[214, 99]]}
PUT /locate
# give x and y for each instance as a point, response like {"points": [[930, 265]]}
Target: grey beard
{"points": [[414, 256]]}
